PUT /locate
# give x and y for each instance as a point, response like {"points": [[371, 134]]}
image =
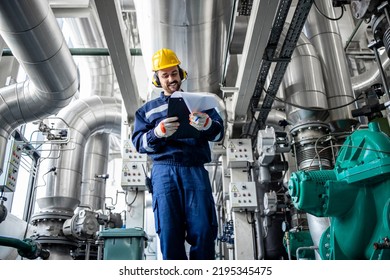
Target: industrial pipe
{"points": [[85, 118], [191, 34], [27, 248], [88, 34], [325, 36], [31, 31]]}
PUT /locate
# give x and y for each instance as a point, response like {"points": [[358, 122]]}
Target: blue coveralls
{"points": [[183, 204]]}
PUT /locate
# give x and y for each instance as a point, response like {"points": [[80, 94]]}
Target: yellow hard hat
{"points": [[164, 58]]}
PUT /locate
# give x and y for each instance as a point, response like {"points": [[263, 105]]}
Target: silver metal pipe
{"points": [[93, 189], [317, 228], [313, 248], [198, 34], [84, 118], [274, 117], [364, 81], [87, 33], [325, 36], [304, 85], [31, 31]]}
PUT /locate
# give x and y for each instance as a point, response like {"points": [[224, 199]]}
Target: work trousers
{"points": [[184, 210]]}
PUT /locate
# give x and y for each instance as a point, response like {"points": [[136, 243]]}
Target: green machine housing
{"points": [[355, 195]]}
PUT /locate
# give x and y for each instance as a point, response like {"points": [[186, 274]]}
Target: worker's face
{"points": [[169, 79]]}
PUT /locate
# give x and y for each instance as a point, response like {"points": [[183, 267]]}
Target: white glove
{"points": [[166, 127], [201, 121]]}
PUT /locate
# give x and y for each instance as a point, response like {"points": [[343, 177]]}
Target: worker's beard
{"points": [[172, 87]]}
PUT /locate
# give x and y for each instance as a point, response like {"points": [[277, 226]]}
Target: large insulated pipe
{"points": [[87, 33], [31, 31], [372, 76], [198, 34], [93, 188], [84, 118], [325, 36], [304, 85]]}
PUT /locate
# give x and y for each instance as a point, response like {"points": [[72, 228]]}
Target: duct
{"points": [[198, 34], [364, 81], [30, 29], [84, 118], [303, 84], [325, 36]]}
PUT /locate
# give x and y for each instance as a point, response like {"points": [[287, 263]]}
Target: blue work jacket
{"points": [[184, 152]]}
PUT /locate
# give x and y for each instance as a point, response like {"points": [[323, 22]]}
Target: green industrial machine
{"points": [[355, 194]]}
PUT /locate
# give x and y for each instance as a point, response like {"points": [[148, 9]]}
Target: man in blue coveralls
{"points": [[183, 204]]}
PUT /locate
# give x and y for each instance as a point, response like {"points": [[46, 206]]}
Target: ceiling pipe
{"points": [[31, 31], [198, 35], [86, 33]]}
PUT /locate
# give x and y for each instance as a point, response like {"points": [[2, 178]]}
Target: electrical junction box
{"points": [[134, 168], [239, 153], [243, 196]]}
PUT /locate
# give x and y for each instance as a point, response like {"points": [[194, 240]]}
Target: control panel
{"points": [[243, 196], [134, 168], [130, 153], [11, 167], [239, 153]]}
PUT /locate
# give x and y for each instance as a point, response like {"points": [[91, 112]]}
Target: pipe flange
{"points": [[51, 215], [309, 126], [47, 240]]}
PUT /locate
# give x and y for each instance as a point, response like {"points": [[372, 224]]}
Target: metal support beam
{"points": [[86, 52], [259, 27], [113, 28]]}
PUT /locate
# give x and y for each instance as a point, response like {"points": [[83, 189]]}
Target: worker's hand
{"points": [[201, 121], [166, 127]]}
